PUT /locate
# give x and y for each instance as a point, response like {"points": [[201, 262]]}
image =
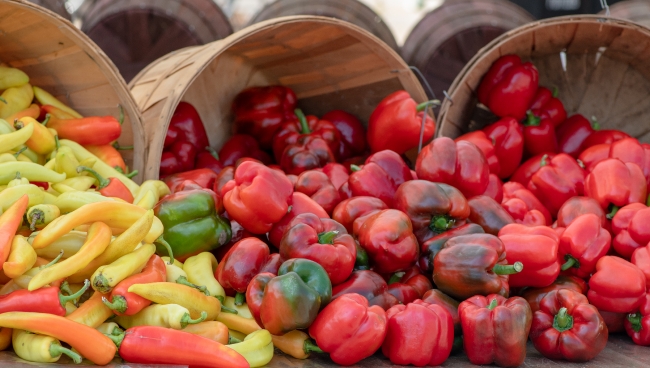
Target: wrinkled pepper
{"points": [[557, 180], [431, 247], [300, 203], [291, 132], [614, 184], [523, 206], [534, 296], [349, 210], [318, 186], [368, 284], [380, 176]]}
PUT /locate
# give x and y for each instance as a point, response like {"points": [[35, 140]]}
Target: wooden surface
{"points": [[57, 6], [620, 352], [637, 11]]}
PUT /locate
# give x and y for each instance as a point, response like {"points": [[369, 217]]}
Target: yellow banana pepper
{"points": [[170, 293], [148, 201], [257, 348], [41, 141], [22, 257], [242, 310], [10, 195], [92, 312], [158, 187], [162, 315], [12, 77], [213, 330], [109, 328], [17, 99], [40, 348], [42, 214], [45, 98], [200, 271], [15, 139], [81, 183], [69, 244], [107, 277], [29, 170]]}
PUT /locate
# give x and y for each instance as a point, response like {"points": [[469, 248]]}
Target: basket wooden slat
{"points": [[637, 11]]}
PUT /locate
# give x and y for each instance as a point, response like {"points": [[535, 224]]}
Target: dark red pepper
{"points": [[317, 185], [348, 211], [203, 177], [208, 159], [180, 157], [535, 295], [380, 176], [431, 247], [481, 140], [368, 284], [507, 136], [186, 126], [494, 189], [410, 286], [578, 206], [309, 152], [546, 105], [539, 136], [292, 132], [487, 213], [572, 134], [240, 146], [353, 133]]}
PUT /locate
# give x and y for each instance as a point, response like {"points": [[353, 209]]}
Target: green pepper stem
{"points": [[441, 223], [328, 237], [635, 320], [594, 123], [556, 92], [304, 126], [3, 100], [613, 209], [240, 298], [56, 350], [228, 309], [397, 276], [103, 182], [184, 281], [544, 161], [647, 201], [531, 119], [421, 107], [117, 339], [132, 174], [65, 287], [508, 269], [164, 243], [233, 340], [354, 168], [220, 298], [212, 152], [570, 262], [122, 148], [47, 119], [37, 217], [118, 304], [310, 347], [493, 304], [66, 298], [54, 261], [186, 320], [562, 320], [117, 331], [23, 150]]}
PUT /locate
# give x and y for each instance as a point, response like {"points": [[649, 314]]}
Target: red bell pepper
{"points": [[556, 181], [318, 187], [240, 146], [615, 322], [260, 197], [494, 189], [487, 213], [529, 167], [604, 136], [323, 241], [539, 136], [534, 296], [572, 134], [309, 152], [495, 329], [186, 126], [203, 177], [291, 132], [582, 244], [473, 264], [353, 133], [348, 211], [111, 187], [300, 203], [641, 259], [431, 247], [179, 158], [507, 136], [630, 150], [208, 159], [509, 87], [411, 285], [481, 140], [593, 155], [523, 206], [546, 105], [92, 130], [578, 206], [432, 207], [536, 247], [400, 115], [630, 229], [567, 327], [437, 297], [637, 324], [460, 164], [349, 330], [616, 286], [380, 177], [407, 343], [614, 184], [369, 285], [388, 238], [259, 112], [337, 173]]}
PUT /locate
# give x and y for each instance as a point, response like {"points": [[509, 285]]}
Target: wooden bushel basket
{"points": [[600, 65], [65, 62], [637, 11], [330, 64]]}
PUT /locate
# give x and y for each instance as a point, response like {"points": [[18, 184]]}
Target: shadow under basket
{"points": [[330, 64], [600, 66]]}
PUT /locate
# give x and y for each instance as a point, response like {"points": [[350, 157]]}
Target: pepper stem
{"points": [[54, 261], [66, 298], [441, 223], [36, 218], [421, 107], [132, 174], [310, 347], [233, 340], [304, 126], [65, 287], [635, 320], [121, 148], [21, 151], [47, 119], [3, 100], [493, 304], [212, 152], [118, 304], [121, 118], [328, 237], [508, 269], [647, 201], [354, 168], [562, 320], [228, 309], [531, 119], [220, 298], [396, 277], [612, 211], [186, 320], [57, 144], [570, 262], [184, 281], [103, 182], [544, 161], [556, 92], [56, 350], [240, 298], [117, 339], [594, 123], [164, 243]]}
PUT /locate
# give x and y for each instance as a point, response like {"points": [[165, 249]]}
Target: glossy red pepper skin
{"points": [[582, 244], [630, 229], [546, 105], [323, 241], [498, 335], [431, 247], [432, 207], [615, 322], [572, 133], [637, 324], [43, 300], [630, 150], [509, 87], [259, 198], [437, 297], [459, 164], [556, 181], [255, 293], [465, 266], [353, 133], [494, 189], [380, 176], [387, 237], [154, 271], [410, 286], [369, 285], [318, 187], [528, 168], [578, 206], [613, 182], [534, 296], [349, 210], [179, 158], [259, 112], [604, 136], [337, 173], [309, 152], [208, 159], [593, 155], [349, 315], [481, 140], [292, 132], [567, 327], [641, 259], [406, 343], [507, 136], [487, 213], [616, 286], [85, 130], [539, 137], [203, 177], [536, 247], [242, 262], [519, 201], [300, 203], [186, 125], [399, 114], [240, 146]]}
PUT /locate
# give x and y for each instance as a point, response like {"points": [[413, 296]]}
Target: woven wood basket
{"points": [[637, 11], [600, 65], [330, 64], [62, 60]]}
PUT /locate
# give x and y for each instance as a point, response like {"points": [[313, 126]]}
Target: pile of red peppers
{"points": [[533, 227]]}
